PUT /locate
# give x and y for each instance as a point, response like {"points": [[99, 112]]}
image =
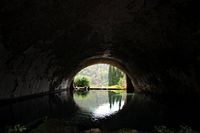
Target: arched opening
{"points": [[100, 89], [130, 84], [101, 98], [100, 76]]}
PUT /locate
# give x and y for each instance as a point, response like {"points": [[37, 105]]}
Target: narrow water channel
{"points": [[100, 103], [105, 109]]}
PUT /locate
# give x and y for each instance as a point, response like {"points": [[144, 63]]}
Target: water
{"points": [[59, 105], [105, 109], [100, 103]]}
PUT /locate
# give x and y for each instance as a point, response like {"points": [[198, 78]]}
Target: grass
{"points": [[108, 87]]}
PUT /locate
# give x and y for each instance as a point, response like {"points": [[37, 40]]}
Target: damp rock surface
{"points": [[55, 126], [43, 43], [60, 126]]}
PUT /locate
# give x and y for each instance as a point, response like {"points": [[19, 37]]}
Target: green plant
{"points": [[81, 93], [185, 129], [81, 81], [122, 82], [114, 76], [45, 118], [17, 129], [163, 129]]}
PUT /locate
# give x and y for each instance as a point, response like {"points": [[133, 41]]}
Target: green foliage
{"points": [[98, 74], [103, 75], [115, 76], [45, 118], [17, 129], [185, 129], [81, 93], [122, 83], [164, 129], [81, 81]]}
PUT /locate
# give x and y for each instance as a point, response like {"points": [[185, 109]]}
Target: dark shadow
{"points": [[129, 87]]}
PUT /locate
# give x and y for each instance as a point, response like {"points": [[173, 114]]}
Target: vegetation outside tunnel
{"points": [[82, 81], [100, 76]]}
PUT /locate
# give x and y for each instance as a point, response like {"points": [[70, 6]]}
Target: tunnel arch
{"points": [[105, 60]]}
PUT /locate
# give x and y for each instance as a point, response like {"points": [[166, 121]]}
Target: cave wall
{"points": [[42, 42]]}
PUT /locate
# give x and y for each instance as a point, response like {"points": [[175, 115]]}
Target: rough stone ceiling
{"points": [[41, 42]]}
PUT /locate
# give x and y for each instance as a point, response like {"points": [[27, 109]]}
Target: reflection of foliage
{"points": [[114, 96], [164, 129], [82, 81], [79, 93]]}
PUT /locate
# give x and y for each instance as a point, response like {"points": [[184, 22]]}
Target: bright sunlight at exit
{"points": [[100, 89], [101, 76]]}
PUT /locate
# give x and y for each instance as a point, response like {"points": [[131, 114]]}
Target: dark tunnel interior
{"points": [[43, 44]]}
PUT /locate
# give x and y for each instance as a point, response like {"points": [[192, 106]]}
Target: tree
{"points": [[98, 74], [114, 75], [82, 81]]}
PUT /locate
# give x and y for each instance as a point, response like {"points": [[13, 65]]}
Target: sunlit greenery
{"points": [[122, 82], [102, 76], [114, 75], [82, 81]]}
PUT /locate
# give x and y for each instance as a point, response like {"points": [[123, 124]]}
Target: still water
{"points": [[107, 109], [100, 103]]}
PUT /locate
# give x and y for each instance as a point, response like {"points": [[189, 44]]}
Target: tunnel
{"points": [[95, 60], [43, 44]]}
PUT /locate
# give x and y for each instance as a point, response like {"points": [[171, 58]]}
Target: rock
{"points": [[93, 130], [55, 126]]}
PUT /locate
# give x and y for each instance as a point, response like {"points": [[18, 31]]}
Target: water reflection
{"points": [[140, 111], [100, 103], [58, 105], [81, 93]]}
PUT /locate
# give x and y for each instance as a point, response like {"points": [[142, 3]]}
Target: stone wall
{"points": [[42, 42]]}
